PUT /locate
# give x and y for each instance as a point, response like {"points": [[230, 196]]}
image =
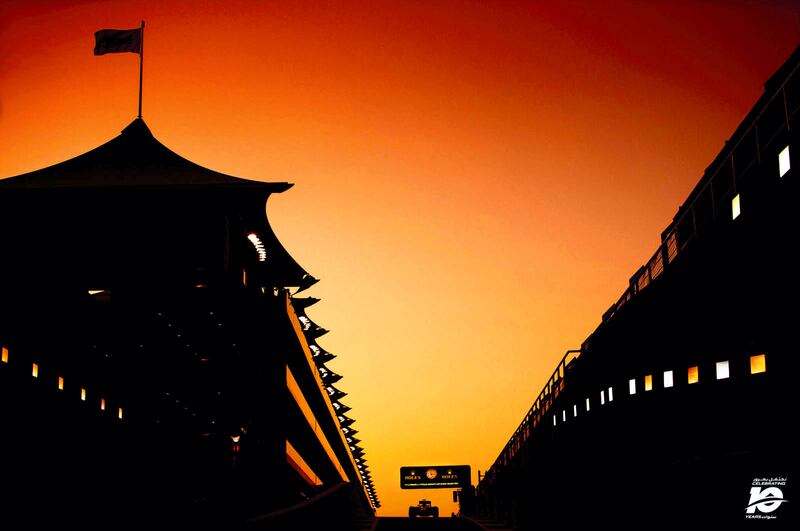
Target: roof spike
{"points": [[301, 303]]}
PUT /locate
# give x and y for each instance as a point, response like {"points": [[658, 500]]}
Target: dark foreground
{"points": [[438, 524]]}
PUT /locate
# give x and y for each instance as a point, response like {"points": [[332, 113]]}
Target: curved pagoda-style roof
{"points": [[133, 159]]}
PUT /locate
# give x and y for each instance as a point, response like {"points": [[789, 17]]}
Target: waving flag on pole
{"points": [[117, 41]]}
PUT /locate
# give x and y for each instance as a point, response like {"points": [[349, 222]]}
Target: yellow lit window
{"points": [[693, 376], [758, 363], [4, 355], [301, 467], [668, 379], [102, 404], [784, 162], [119, 413], [736, 207], [648, 382], [83, 394], [244, 277], [35, 370], [723, 370], [60, 383]]}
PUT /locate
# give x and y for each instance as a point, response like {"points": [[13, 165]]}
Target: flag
{"points": [[117, 41]]}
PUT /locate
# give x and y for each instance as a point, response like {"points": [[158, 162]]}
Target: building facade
{"points": [[155, 361], [677, 409]]}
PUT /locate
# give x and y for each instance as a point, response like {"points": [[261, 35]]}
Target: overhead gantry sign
{"points": [[435, 477]]}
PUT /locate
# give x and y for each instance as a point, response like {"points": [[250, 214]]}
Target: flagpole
{"points": [[141, 64]]}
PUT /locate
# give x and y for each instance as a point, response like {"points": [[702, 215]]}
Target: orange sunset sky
{"points": [[475, 182]]}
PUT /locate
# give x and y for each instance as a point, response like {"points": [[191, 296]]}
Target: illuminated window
{"points": [[723, 370], [302, 468], [244, 277], [102, 404], [610, 394], [693, 375], [758, 364], [602, 397], [554, 420], [83, 394], [587, 404], [119, 413], [632, 386], [575, 410], [4, 355], [668, 379], [563, 415], [648, 382], [60, 383], [259, 246], [35, 370], [784, 163], [736, 207]]}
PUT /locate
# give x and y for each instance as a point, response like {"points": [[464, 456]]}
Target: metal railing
{"points": [[554, 386]]}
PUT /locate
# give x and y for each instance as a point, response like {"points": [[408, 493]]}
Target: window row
{"points": [[758, 365], [59, 382]]}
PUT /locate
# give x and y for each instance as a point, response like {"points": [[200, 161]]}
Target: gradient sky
{"points": [[475, 181]]}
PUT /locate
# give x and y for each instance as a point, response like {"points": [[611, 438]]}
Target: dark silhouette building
{"points": [[679, 408], [155, 367]]}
